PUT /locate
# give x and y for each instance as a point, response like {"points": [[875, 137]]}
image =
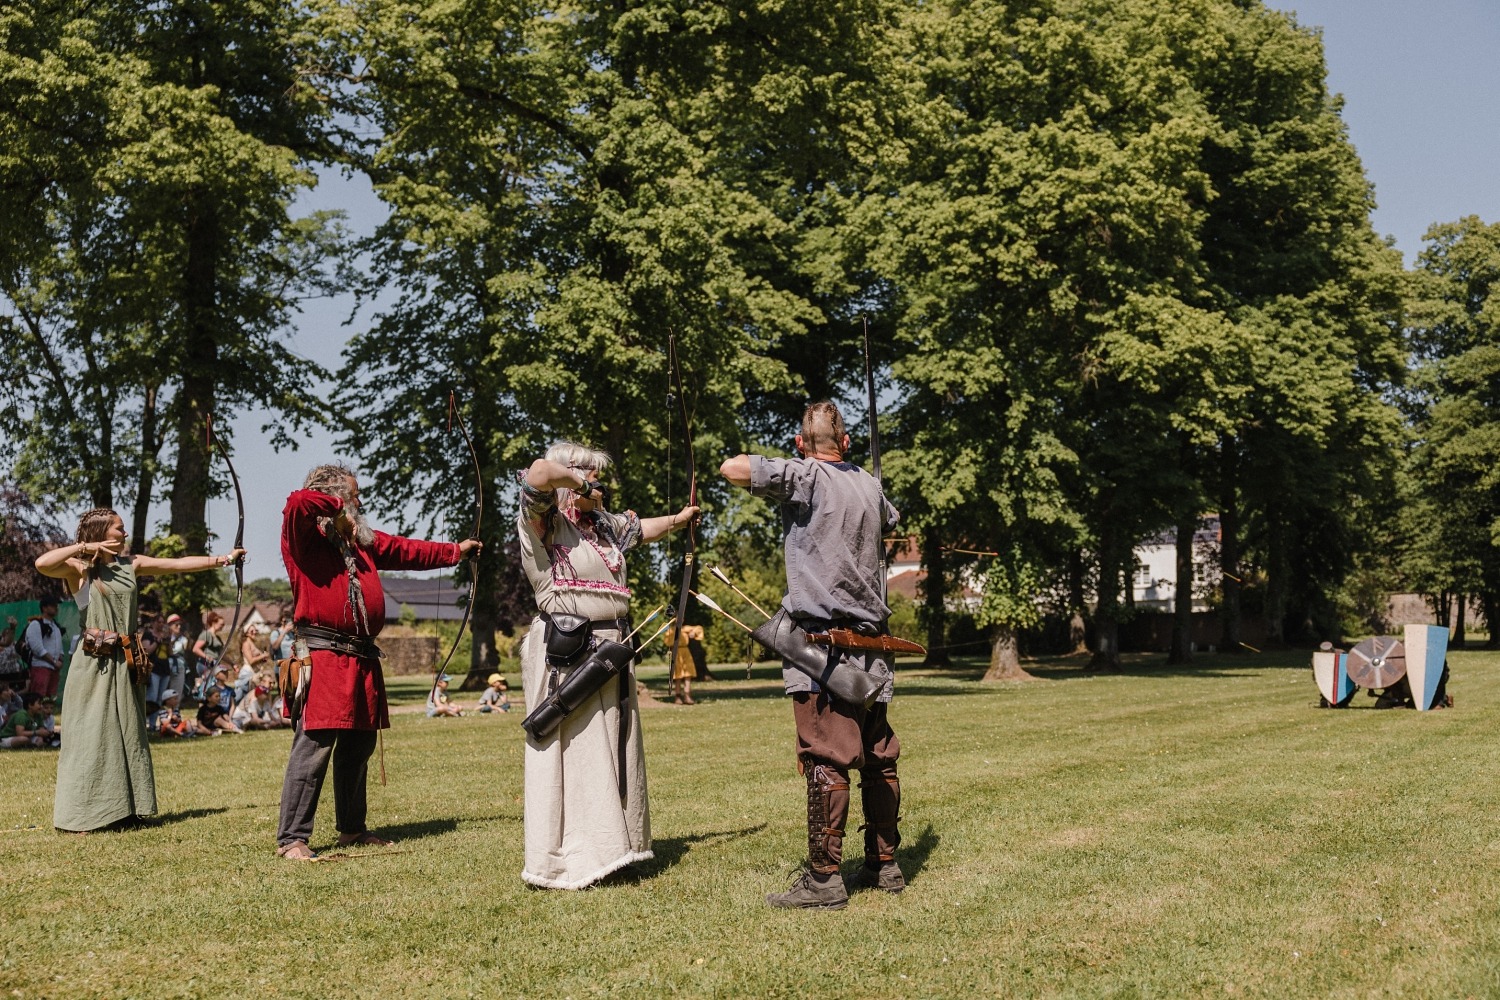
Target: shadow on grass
{"points": [[914, 858], [420, 828], [182, 816], [670, 851]]}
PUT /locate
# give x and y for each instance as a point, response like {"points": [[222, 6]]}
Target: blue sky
{"points": [[1421, 85]]}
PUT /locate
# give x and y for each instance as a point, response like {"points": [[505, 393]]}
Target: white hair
{"points": [[578, 456]]}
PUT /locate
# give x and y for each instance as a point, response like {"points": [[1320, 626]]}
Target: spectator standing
{"points": [[252, 659], [44, 643], [282, 638], [207, 650], [176, 645], [161, 671]]}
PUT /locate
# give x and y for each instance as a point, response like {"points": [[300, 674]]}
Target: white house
{"points": [[1154, 583]]}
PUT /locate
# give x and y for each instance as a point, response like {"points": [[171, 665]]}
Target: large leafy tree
{"points": [[151, 259], [1452, 521], [571, 188], [1134, 240]]}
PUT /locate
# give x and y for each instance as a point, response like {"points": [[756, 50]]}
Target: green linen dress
{"points": [[104, 768]]}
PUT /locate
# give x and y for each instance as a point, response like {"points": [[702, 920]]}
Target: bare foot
{"points": [[296, 851]]}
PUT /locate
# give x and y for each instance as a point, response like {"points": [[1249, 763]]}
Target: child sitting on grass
{"points": [[438, 702], [494, 698], [213, 716], [168, 722], [21, 729]]}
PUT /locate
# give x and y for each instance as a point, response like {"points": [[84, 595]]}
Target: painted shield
{"points": [[1377, 662], [1331, 673], [1426, 647]]}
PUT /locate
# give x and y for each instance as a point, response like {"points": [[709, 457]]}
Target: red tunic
{"points": [[346, 692]]}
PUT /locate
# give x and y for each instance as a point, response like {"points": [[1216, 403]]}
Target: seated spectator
{"points": [[213, 714], [259, 709], [494, 698], [12, 670], [223, 690], [46, 720], [10, 700], [21, 728], [438, 702], [168, 722]]}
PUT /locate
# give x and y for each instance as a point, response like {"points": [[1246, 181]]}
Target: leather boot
{"points": [[821, 886], [880, 797], [827, 811]]}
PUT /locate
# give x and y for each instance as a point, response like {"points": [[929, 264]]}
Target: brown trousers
{"points": [[832, 739]]}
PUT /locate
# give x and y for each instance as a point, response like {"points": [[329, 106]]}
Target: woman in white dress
{"points": [[586, 810]]}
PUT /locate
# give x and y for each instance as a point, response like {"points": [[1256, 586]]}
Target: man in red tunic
{"points": [[332, 557]]}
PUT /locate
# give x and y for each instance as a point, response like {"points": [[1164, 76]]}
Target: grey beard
{"points": [[364, 535]]}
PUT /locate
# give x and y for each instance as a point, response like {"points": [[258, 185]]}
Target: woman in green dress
{"points": [[104, 769]]}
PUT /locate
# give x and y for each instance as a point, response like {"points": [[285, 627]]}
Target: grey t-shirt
{"points": [[833, 517]]}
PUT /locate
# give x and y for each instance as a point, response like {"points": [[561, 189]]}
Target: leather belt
{"points": [[620, 624], [319, 637]]}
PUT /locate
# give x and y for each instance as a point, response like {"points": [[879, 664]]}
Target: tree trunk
{"points": [[1106, 616], [1458, 629], [200, 360], [934, 599], [1078, 626], [1276, 575], [1490, 601], [1231, 581], [1005, 657], [484, 658], [146, 474], [1182, 601]]}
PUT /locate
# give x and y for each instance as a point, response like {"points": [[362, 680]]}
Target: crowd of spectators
{"points": [[189, 690]]}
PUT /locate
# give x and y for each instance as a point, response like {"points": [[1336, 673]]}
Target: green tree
{"points": [[1452, 522], [151, 260], [567, 193]]}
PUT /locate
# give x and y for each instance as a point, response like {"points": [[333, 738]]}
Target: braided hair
{"points": [[93, 526]]}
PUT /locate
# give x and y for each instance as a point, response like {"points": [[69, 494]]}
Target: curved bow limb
{"points": [[691, 553], [239, 540], [454, 417]]}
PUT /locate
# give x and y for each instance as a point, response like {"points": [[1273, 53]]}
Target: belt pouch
{"points": [[136, 660], [100, 642], [288, 680], [567, 638]]}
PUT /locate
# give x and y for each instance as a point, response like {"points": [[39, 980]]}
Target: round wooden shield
{"points": [[1377, 662]]}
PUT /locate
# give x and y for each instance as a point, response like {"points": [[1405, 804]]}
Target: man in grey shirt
{"points": [[834, 516]]}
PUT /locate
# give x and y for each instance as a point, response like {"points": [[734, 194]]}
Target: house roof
{"points": [[433, 598]]}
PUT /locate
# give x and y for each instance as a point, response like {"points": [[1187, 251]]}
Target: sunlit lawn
{"points": [[1184, 832]]}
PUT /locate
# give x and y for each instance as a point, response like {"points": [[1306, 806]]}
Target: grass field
{"points": [[1162, 833]]}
